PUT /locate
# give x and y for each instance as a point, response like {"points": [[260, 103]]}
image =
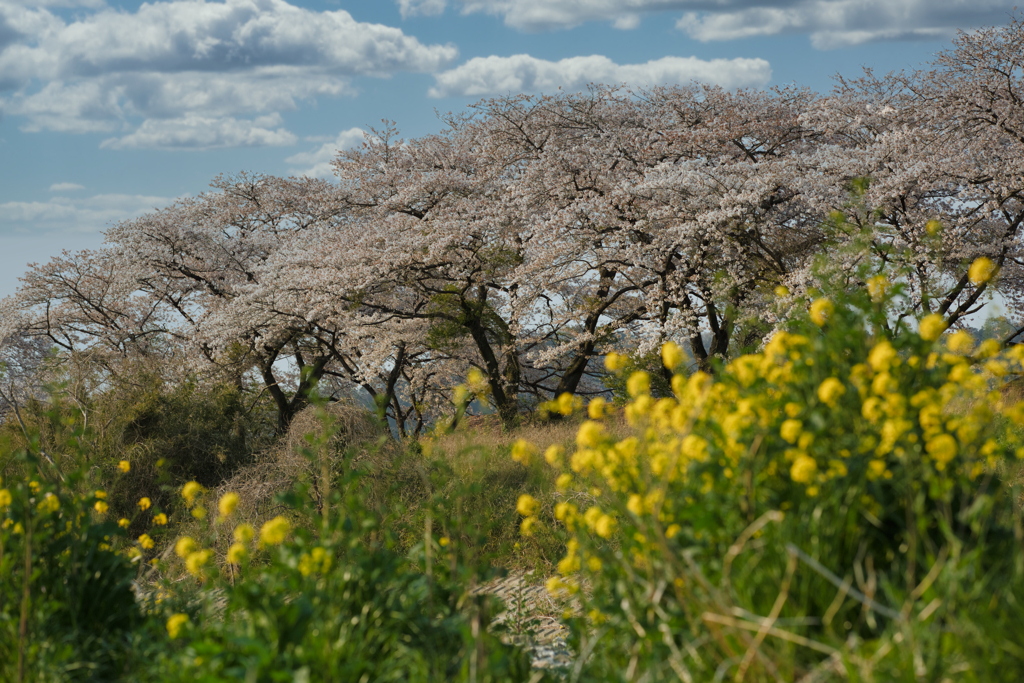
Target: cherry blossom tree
{"points": [[536, 233]]}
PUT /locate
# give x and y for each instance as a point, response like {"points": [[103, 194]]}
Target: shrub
{"points": [[67, 607], [838, 505]]}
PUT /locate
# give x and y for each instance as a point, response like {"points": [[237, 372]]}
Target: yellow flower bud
{"points": [[274, 531], [554, 454], [830, 390], [190, 491], [175, 624], [227, 503], [237, 553], [821, 309], [803, 469], [671, 355], [614, 362], [523, 451], [981, 271], [244, 533], [184, 547], [960, 342], [790, 430], [527, 505], [931, 327], [638, 384]]}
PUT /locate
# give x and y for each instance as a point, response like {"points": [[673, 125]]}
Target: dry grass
{"points": [[357, 439]]}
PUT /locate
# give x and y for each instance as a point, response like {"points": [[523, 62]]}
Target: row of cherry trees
{"points": [[535, 234]]}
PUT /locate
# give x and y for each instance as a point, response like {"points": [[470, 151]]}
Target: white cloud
{"points": [[426, 8], [200, 132], [82, 215], [830, 23], [317, 163], [66, 187], [841, 23], [168, 61], [523, 73]]}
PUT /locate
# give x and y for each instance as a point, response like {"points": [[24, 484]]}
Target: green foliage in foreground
{"points": [[841, 506], [319, 594]]}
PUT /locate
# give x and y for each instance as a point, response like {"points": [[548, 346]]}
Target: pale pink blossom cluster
{"points": [[537, 233]]}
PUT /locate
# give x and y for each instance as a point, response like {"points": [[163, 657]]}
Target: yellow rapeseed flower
{"points": [[876, 468], [635, 504], [605, 526], [123, 522], [803, 469], [554, 454], [199, 512], [523, 451], [882, 356], [590, 434], [981, 271], [526, 527], [460, 394], [790, 430], [144, 503], [146, 542], [477, 381], [671, 355], [101, 506], [51, 503], [175, 624], [931, 327], [933, 227], [960, 342], [190, 491], [614, 362], [830, 390], [596, 408], [821, 309], [124, 466], [878, 286], [237, 553], [227, 503], [101, 495], [195, 562], [565, 403], [160, 519], [184, 547], [638, 384], [274, 531], [988, 348], [244, 533], [527, 505], [5, 499], [782, 291], [563, 481], [942, 449]]}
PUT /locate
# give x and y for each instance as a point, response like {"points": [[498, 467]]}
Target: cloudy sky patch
{"points": [[141, 102]]}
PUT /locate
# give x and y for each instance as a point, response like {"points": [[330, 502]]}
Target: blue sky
{"points": [[108, 110]]}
